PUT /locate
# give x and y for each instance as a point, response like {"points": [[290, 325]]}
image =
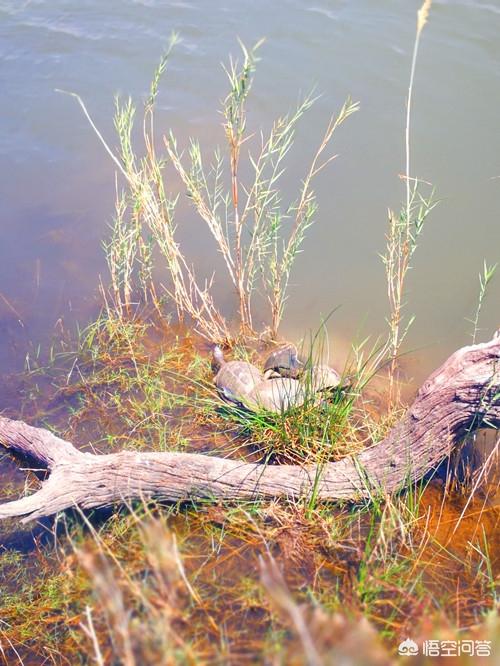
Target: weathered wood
{"points": [[461, 396]]}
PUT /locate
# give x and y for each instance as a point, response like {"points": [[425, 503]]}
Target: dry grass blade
{"points": [[423, 15], [276, 587], [111, 600], [404, 229], [90, 631]]}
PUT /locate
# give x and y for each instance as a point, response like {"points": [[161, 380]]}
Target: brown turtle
{"points": [[285, 362], [244, 385], [277, 395], [234, 379], [321, 377]]}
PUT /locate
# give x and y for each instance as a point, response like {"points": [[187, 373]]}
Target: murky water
{"points": [[57, 185]]}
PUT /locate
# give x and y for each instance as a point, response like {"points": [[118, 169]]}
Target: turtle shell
{"points": [[236, 379], [278, 395], [322, 377]]}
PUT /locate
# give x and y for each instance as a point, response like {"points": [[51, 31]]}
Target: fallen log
{"points": [[458, 398]]}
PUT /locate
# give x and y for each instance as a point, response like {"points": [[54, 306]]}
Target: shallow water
{"points": [[222, 546], [57, 186]]}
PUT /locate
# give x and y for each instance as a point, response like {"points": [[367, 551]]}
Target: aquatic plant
{"points": [[405, 228], [485, 277], [256, 233]]}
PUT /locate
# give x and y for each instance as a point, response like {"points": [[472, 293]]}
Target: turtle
{"points": [[321, 377], [234, 379], [279, 394], [285, 362], [245, 386], [276, 394]]}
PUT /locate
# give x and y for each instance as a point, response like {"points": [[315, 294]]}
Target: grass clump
{"points": [[135, 386], [145, 386], [141, 384]]}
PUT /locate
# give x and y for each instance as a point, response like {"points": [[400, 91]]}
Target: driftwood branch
{"points": [[460, 397]]}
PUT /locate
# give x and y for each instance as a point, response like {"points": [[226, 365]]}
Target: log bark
{"points": [[458, 398]]}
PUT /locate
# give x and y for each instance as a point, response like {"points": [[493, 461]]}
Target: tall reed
{"points": [[484, 280], [256, 233], [404, 229], [257, 236]]}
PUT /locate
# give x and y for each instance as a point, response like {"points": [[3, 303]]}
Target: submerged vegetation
{"points": [[289, 582]]}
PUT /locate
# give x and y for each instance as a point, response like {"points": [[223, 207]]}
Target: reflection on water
{"points": [[57, 186]]}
